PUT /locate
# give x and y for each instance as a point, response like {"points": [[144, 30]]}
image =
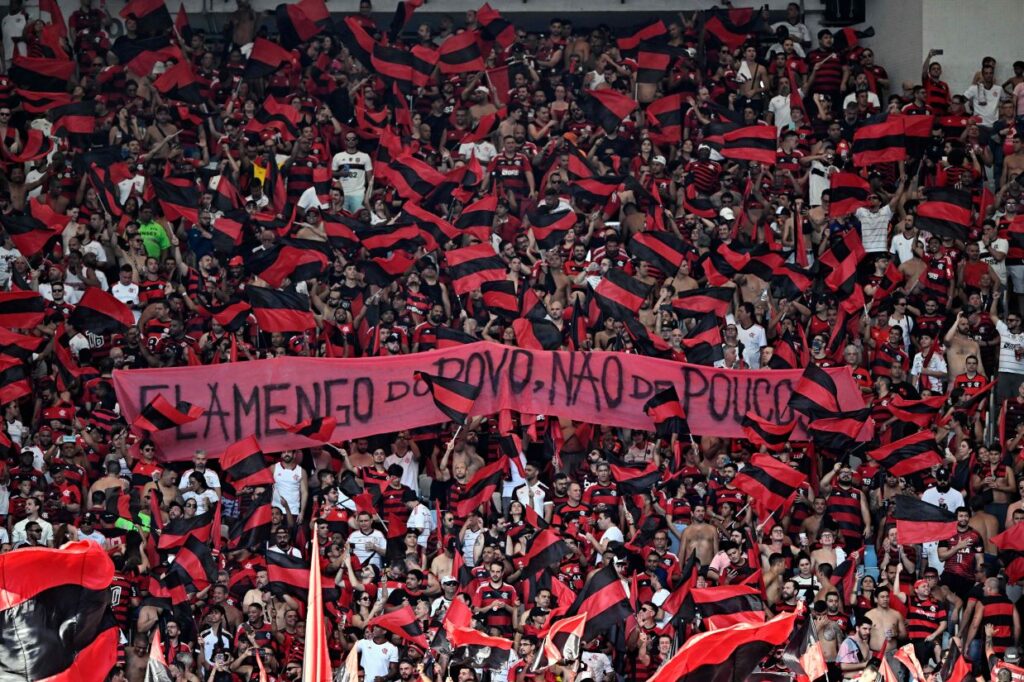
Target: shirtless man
{"points": [[112, 479], [960, 346], [888, 622], [812, 523], [827, 631], [1013, 164], [826, 554], [914, 267], [700, 536], [991, 475], [682, 280], [136, 659]]}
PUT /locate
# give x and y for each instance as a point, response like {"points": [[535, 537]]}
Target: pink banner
{"points": [[379, 395]]}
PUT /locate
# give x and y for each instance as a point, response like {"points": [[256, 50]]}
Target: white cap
{"points": [[658, 159], [727, 214]]}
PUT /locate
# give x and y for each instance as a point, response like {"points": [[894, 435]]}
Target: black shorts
{"points": [[959, 585]]}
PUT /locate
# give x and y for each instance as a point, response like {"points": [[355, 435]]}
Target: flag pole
{"points": [[316, 663]]}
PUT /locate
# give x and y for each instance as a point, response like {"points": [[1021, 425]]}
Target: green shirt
{"points": [[154, 239]]}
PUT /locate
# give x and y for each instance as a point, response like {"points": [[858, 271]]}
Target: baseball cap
{"points": [[1012, 654], [449, 580], [658, 159]]}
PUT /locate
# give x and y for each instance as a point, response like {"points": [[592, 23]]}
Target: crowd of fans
{"points": [[949, 328]]}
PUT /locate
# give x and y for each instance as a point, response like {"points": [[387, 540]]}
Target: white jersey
{"points": [[287, 484], [1009, 346]]}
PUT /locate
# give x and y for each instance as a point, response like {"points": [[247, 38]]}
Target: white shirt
{"points": [[1001, 245], [484, 150], [522, 493], [12, 26], [903, 247], [126, 293], [872, 99], [874, 228], [287, 485], [204, 500], [19, 534], [410, 468], [376, 659], [984, 102], [212, 480], [352, 170], [613, 534], [7, 256], [420, 517], [819, 180], [937, 364], [949, 500], [753, 339], [1008, 345], [780, 108], [799, 32], [361, 542]]}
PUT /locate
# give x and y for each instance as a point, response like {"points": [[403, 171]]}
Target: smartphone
{"points": [[219, 658], [938, 52], [67, 439]]}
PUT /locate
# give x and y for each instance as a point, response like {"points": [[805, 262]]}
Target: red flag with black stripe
{"points": [[100, 313], [471, 266], [393, 63], [103, 181], [32, 231], [179, 83], [847, 193], [265, 59], [771, 484], [663, 250], [252, 531], [75, 122], [751, 143], [815, 393], [178, 197], [402, 622], [841, 430], [536, 334], [287, 574], [36, 146], [196, 560], [500, 298], [920, 412], [635, 479], [594, 191], [452, 338], [159, 414], [666, 115], [412, 179], [477, 218], [603, 598], [460, 53], [550, 227], [280, 117], [608, 108], [726, 605], [618, 295], [768, 434], [320, 429], [14, 380], [495, 27], [945, 213], [152, 17], [634, 40], [19, 346], [909, 455], [667, 413], [730, 27], [546, 549], [280, 311], [879, 140], [483, 485], [702, 301], [244, 466], [233, 316], [41, 74], [21, 309], [403, 12], [453, 397], [843, 257], [918, 522], [176, 531], [301, 21], [56, 609]]}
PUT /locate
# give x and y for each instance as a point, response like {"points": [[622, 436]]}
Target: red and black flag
{"points": [[945, 213], [771, 484], [840, 430], [954, 666], [848, 38], [751, 143], [495, 27], [280, 117], [594, 191], [178, 197], [152, 17], [381, 272], [550, 227], [383, 239], [843, 258], [815, 394], [402, 622], [879, 140], [460, 53], [703, 301], [727, 654], [803, 655], [32, 231], [471, 266], [634, 40], [36, 146], [40, 74], [412, 179], [252, 530], [563, 642], [703, 343], [634, 479], [160, 414], [298, 22], [179, 83], [500, 298], [727, 605], [663, 250], [341, 231], [546, 549], [76, 122], [665, 114], [608, 108], [176, 531], [847, 193], [433, 230], [477, 218], [103, 180], [698, 204], [603, 598], [730, 27], [620, 296], [1011, 545], [393, 63], [21, 309], [452, 338], [56, 611], [197, 562], [485, 482], [232, 316], [920, 412], [243, 464], [909, 455], [19, 346], [667, 413], [287, 575], [100, 313], [280, 311], [265, 59], [536, 334], [320, 429], [453, 397], [918, 522], [403, 12], [654, 58], [14, 380], [762, 432]]}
